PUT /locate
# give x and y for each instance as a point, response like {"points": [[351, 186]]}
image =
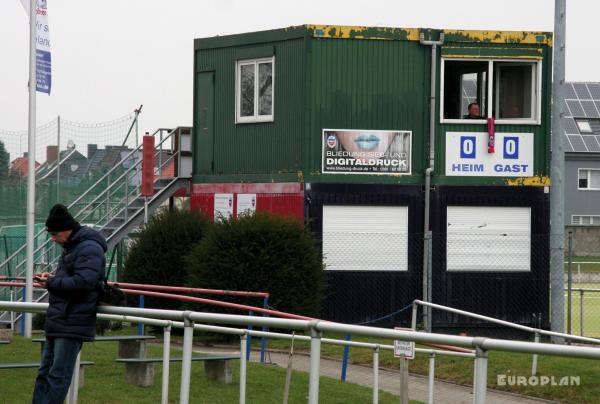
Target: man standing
{"points": [[73, 293]]}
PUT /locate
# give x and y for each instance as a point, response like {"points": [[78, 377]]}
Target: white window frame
{"points": [[536, 92], [589, 171], [594, 220], [255, 117]]}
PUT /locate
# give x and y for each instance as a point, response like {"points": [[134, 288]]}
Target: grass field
{"points": [[105, 381], [591, 310]]}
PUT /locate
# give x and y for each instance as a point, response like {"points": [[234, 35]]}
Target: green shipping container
{"points": [[282, 106]]}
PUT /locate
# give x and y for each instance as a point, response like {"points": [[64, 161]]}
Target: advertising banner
{"points": [[42, 41], [467, 155], [366, 151]]}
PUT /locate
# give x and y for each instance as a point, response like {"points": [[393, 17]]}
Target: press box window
{"points": [[254, 90], [514, 90], [589, 179]]}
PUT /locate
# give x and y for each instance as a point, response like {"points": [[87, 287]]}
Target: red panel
{"points": [[290, 205], [249, 188], [204, 203], [148, 166]]}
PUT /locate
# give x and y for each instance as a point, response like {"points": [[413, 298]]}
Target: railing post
{"points": [[431, 377], [250, 313], [403, 380], [263, 340], [415, 309], [569, 284], [74, 387], [345, 358], [534, 362], [315, 361], [243, 364], [186, 364], [376, 375], [480, 384], [166, 364], [141, 305]]}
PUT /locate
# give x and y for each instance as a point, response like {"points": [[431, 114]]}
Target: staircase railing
{"points": [[95, 208]]}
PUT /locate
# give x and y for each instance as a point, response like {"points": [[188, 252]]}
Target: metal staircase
{"points": [[114, 204]]}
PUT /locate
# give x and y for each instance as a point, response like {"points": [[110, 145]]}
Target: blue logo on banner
{"points": [[43, 71], [511, 147], [467, 147]]}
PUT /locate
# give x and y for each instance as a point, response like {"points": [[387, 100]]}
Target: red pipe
{"points": [[188, 290], [217, 303]]}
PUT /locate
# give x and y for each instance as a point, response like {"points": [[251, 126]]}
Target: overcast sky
{"points": [[110, 56]]}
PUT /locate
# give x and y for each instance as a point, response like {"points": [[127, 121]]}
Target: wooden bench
{"points": [[140, 371], [36, 365]]}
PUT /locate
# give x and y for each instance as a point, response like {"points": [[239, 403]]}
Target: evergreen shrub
{"points": [[156, 256], [260, 253]]}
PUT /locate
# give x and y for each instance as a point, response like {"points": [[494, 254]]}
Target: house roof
{"points": [[582, 101]]}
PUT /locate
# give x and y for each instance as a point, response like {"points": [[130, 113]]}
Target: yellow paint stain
{"points": [[351, 32], [541, 181], [522, 37]]}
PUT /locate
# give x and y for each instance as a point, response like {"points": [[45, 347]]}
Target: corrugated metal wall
{"points": [[366, 84], [256, 148]]}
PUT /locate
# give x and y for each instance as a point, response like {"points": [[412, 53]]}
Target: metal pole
{"points": [[58, 159], [74, 387], [263, 341], [431, 377], [315, 361], [581, 312], [569, 284], [243, 364], [288, 373], [480, 385], [376, 375], [557, 194], [166, 364], [415, 309], [403, 380], [186, 364], [31, 162], [345, 358], [534, 362]]}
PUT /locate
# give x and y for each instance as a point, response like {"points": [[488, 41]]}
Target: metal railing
{"points": [[537, 332], [316, 327], [581, 305]]}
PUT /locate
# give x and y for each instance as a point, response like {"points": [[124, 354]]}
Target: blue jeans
{"points": [[56, 370]]}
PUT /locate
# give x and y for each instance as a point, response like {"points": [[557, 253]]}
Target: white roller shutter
{"points": [[489, 239], [365, 238]]}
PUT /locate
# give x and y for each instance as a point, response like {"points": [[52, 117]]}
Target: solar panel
{"points": [[577, 143], [591, 143], [567, 144], [589, 109], [569, 92], [575, 108], [571, 126], [594, 90], [582, 91]]}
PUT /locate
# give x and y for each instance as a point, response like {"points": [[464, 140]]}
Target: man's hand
{"points": [[42, 279]]}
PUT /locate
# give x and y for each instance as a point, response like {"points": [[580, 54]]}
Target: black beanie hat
{"points": [[60, 219]]}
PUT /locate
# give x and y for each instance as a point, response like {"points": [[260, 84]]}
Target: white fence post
{"points": [[535, 357], [166, 364], [431, 377], [186, 363], [376, 375], [315, 361], [480, 385], [243, 350]]}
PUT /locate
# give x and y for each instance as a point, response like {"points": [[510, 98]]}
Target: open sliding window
{"points": [[511, 96], [255, 80]]}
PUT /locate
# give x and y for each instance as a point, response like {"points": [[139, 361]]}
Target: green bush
{"points": [[156, 257], [260, 253]]}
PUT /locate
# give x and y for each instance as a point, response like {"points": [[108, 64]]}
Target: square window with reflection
{"points": [[588, 179], [466, 88], [254, 90]]}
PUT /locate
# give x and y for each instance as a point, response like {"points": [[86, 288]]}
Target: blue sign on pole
{"points": [[43, 71]]}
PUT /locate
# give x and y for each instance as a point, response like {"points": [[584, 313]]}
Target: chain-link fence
{"points": [[582, 281]]}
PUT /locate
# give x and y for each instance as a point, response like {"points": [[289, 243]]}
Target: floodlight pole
{"points": [[557, 169], [30, 219]]}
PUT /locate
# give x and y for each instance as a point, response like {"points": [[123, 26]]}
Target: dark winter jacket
{"points": [[74, 288]]}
